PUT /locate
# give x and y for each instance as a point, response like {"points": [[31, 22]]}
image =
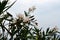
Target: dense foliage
{"points": [[23, 27]]}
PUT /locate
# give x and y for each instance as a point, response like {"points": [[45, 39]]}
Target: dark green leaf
{"points": [[43, 33], [31, 16], [25, 13], [9, 14], [9, 6], [1, 19], [4, 2], [47, 31]]}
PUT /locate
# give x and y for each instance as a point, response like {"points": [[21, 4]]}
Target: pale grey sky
{"points": [[47, 12]]}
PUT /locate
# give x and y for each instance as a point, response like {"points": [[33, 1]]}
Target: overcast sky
{"points": [[47, 12]]}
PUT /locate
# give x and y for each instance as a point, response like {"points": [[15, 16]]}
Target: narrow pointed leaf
{"points": [[9, 6], [25, 13]]}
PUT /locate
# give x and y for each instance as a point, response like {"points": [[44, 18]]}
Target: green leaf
{"points": [[25, 13], [36, 30], [1, 19], [43, 33], [9, 14], [9, 6], [4, 3], [47, 31], [31, 16], [0, 3], [6, 16]]}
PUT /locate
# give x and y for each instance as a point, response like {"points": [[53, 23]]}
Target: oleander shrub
{"points": [[23, 27]]}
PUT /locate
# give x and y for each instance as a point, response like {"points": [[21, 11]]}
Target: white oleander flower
{"points": [[20, 16], [26, 19], [55, 28], [32, 9]]}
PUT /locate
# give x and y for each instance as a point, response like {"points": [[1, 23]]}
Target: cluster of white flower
{"points": [[55, 29], [23, 17], [32, 9], [26, 19], [20, 16]]}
